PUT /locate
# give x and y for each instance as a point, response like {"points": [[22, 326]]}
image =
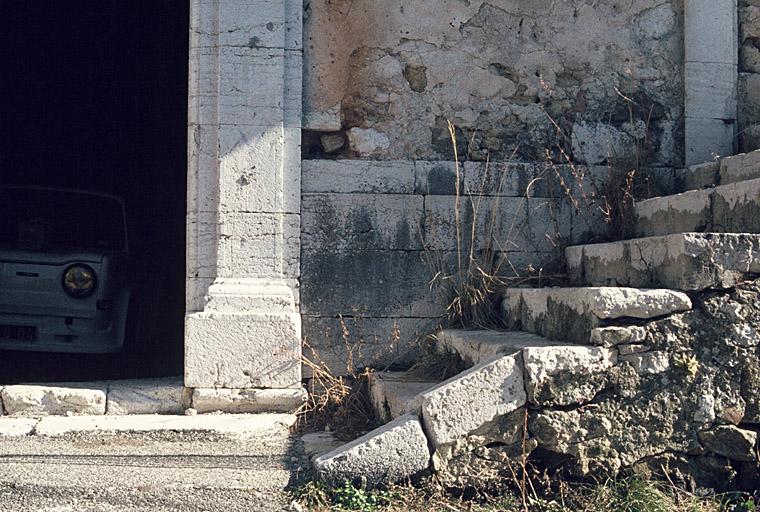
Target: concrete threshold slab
{"points": [[232, 425]]}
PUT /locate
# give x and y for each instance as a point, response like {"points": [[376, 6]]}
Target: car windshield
{"points": [[48, 220]]}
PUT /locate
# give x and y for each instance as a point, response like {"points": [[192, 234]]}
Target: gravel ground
{"points": [[162, 471]]}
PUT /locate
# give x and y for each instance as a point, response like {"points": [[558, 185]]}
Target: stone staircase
{"points": [[651, 359]]}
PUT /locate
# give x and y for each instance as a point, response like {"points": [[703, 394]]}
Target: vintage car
{"points": [[64, 280]]}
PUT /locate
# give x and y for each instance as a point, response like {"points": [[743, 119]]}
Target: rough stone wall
{"points": [[383, 77], [531, 82], [683, 397], [374, 233], [749, 75]]}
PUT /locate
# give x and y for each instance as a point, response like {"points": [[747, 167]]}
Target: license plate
{"points": [[18, 332]]}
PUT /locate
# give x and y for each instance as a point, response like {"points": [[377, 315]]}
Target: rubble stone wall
{"points": [[592, 83], [382, 78]]}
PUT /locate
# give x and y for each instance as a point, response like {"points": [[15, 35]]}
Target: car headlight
{"points": [[79, 281]]}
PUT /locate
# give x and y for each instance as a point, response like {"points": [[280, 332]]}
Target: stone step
{"points": [[686, 261], [732, 169], [479, 345], [571, 313], [394, 394], [475, 420], [730, 208]]}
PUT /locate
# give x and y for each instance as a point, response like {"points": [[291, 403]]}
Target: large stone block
{"points": [[679, 213], [740, 167], [358, 177], [356, 222], [248, 401], [711, 31], [571, 313], [364, 283], [507, 224], [711, 90], [708, 139], [689, 261], [242, 350], [473, 398], [63, 399], [393, 453], [147, 396], [477, 346]]}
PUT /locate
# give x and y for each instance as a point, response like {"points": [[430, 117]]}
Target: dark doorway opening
{"points": [[93, 95]]}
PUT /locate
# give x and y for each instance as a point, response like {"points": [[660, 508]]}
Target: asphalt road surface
{"points": [[154, 471]]}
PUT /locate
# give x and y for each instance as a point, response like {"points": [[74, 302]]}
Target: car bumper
{"points": [[52, 334]]}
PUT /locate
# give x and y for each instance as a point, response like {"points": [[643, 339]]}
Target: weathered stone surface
{"points": [[732, 208], [684, 385], [732, 442], [453, 63], [740, 167], [148, 396], [679, 213], [485, 457], [689, 261], [356, 222], [364, 342], [358, 177], [614, 336], [566, 374], [708, 139], [244, 350], [695, 177], [477, 346], [472, 399], [392, 453], [247, 400], [394, 394], [596, 143], [15, 427], [366, 142], [233, 425], [571, 313], [64, 399]]}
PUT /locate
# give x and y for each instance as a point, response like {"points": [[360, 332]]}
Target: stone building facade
{"points": [[322, 174]]}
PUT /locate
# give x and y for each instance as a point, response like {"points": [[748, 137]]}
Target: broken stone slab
{"points": [[16, 427], [686, 261], [394, 394], [248, 400], [732, 208], [570, 314], [473, 398], [741, 167], [476, 346], [64, 399], [395, 452], [147, 396], [566, 374], [732, 442], [228, 425]]}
